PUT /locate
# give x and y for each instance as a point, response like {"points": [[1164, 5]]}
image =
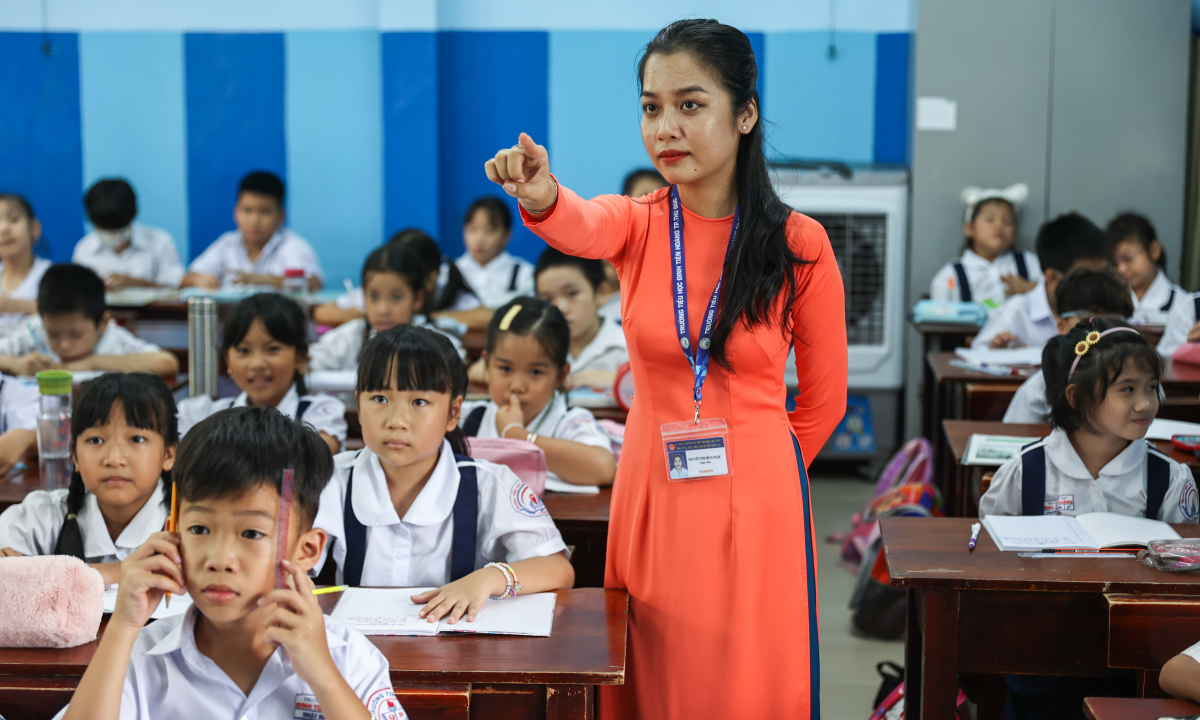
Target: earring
{"points": [[743, 128]]}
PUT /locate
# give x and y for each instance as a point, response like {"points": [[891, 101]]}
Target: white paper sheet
{"points": [[179, 604], [1035, 532], [389, 611], [993, 450], [563, 486], [1003, 356], [937, 113], [1113, 530], [1163, 429], [523, 615]]}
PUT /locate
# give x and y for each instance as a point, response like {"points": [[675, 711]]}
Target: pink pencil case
{"points": [[49, 602], [1172, 555]]}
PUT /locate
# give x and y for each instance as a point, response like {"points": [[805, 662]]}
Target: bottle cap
{"points": [[293, 273], [54, 382]]}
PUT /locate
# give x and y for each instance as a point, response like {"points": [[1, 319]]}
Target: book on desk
{"points": [[1090, 531], [391, 611]]}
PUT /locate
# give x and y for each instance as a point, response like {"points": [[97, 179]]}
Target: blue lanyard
{"points": [[697, 358]]}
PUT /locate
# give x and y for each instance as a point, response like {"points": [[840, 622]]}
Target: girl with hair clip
{"points": [[412, 509], [265, 344], [20, 269], [395, 291], [990, 268], [123, 438], [525, 356], [1102, 384]]}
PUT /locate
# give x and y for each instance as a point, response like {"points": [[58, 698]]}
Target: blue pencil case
{"points": [[935, 311]]}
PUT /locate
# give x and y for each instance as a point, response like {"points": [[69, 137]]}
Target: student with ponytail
{"points": [[123, 438], [753, 281]]}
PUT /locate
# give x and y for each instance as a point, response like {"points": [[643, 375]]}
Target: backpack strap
{"points": [[356, 536], [964, 285], [1158, 477], [1170, 301], [1022, 266], [474, 420], [466, 515], [1033, 481], [302, 408], [512, 283], [1196, 306]]}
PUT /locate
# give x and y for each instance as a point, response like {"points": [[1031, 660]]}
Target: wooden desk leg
{"points": [[939, 659], [913, 650], [569, 702]]}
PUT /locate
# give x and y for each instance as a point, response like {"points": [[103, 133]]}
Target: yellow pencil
{"points": [[331, 589], [172, 522]]}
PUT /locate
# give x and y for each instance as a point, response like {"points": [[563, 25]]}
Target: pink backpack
{"points": [[525, 459], [905, 487]]}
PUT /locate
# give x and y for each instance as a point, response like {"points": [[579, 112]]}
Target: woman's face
{"points": [[688, 124], [18, 232], [678, 463]]}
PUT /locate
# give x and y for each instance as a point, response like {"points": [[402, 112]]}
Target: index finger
{"points": [[532, 149]]}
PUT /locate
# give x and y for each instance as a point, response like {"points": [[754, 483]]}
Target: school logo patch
{"points": [[526, 502], [1063, 503], [1189, 503], [684, 342], [307, 708], [705, 343], [383, 705]]}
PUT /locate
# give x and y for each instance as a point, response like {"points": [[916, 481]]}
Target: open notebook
{"points": [[1091, 530], [179, 604], [389, 611]]}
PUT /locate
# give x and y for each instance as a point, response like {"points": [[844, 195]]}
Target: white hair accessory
{"points": [[1014, 195]]}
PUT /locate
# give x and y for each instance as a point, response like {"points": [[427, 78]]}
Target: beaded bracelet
{"points": [[512, 585]]}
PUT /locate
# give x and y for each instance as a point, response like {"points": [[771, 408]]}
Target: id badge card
{"points": [[696, 451]]}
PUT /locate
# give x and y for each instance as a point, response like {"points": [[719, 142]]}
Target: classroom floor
{"points": [[848, 677]]}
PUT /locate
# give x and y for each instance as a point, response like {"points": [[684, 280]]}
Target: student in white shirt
{"points": [[493, 274], [265, 344], [261, 249], [526, 359], [123, 438], [447, 296], [1064, 244], [1139, 258], [576, 286], [245, 649], [1082, 294], [121, 251], [20, 270], [393, 278], [1182, 326], [990, 269], [19, 406], [75, 331], [412, 509]]}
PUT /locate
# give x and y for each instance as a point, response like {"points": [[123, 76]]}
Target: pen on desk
{"points": [[974, 536], [1088, 551], [331, 589]]}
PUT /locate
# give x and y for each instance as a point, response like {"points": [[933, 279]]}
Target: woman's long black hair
{"points": [[760, 266], [148, 405]]}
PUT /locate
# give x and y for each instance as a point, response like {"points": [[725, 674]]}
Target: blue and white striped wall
{"points": [[380, 113]]}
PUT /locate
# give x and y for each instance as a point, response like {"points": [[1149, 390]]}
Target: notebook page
{"points": [[1161, 429], [522, 615], [383, 611], [179, 604], [1113, 530], [1037, 532], [1002, 356]]}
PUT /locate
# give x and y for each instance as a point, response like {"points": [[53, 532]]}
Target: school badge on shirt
{"points": [[383, 705], [526, 502], [1189, 504], [307, 708]]}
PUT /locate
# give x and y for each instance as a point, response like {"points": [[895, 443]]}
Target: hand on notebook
{"points": [[32, 364], [1005, 340], [153, 569], [296, 623], [465, 596]]}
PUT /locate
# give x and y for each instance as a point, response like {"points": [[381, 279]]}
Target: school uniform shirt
{"points": [[1193, 652], [325, 413], [984, 276], [32, 527], [465, 300], [338, 349], [1029, 404], [168, 677], [31, 337], [611, 308], [18, 405], [556, 420], [1179, 323], [1071, 490], [501, 280], [27, 290], [284, 251], [513, 524], [1156, 305], [1028, 316], [151, 256], [606, 351]]}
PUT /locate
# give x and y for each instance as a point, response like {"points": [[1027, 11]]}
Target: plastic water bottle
{"points": [[54, 428], [294, 283]]}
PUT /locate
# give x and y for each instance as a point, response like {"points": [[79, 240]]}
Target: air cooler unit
{"points": [[865, 214]]}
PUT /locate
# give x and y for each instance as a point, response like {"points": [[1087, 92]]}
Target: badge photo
{"points": [[695, 451]]}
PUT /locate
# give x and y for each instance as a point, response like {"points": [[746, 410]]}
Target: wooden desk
{"points": [[468, 676], [583, 522], [990, 612], [1137, 709], [1145, 631], [943, 336], [14, 488]]}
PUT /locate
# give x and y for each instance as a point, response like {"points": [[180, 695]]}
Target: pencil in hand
{"points": [[172, 522]]}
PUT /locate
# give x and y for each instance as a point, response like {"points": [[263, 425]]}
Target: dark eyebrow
{"points": [[209, 511], [681, 91]]}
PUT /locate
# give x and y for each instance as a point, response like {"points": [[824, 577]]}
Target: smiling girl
{"points": [[266, 350], [20, 270]]}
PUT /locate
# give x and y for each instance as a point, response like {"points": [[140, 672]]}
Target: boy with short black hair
{"points": [[246, 648], [1065, 244], [261, 249], [578, 288], [125, 253], [75, 331]]}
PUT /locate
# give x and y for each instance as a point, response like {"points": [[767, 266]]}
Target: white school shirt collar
{"points": [[433, 505], [267, 252], [1039, 304], [96, 540], [288, 405], [1064, 458], [27, 290], [1156, 295], [607, 337], [505, 259]]}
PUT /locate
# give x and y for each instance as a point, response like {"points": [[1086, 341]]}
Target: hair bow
{"points": [[1082, 347], [1014, 195]]}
